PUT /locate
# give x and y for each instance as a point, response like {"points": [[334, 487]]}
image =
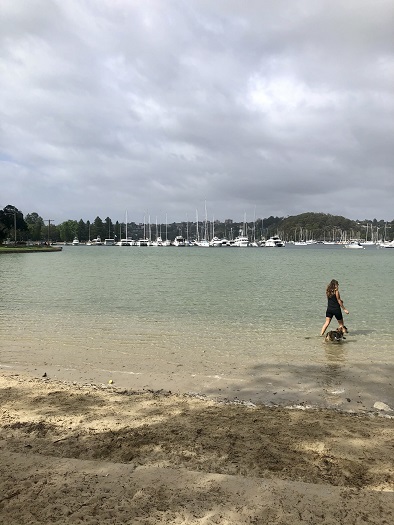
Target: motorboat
{"points": [[274, 242], [355, 245], [125, 242], [387, 244], [203, 243], [218, 243], [97, 242], [241, 242], [157, 242], [143, 242], [109, 242], [75, 241], [179, 241]]}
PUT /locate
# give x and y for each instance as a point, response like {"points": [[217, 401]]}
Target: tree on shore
{"points": [[68, 230], [35, 225], [12, 224]]}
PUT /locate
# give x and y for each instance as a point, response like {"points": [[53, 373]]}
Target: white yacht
{"points": [[241, 242], [109, 242], [387, 244], [274, 242], [179, 241], [217, 243], [355, 245], [203, 243], [157, 242], [125, 242], [97, 242], [75, 241]]}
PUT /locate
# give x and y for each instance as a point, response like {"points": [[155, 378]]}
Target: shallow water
{"points": [[225, 321]]}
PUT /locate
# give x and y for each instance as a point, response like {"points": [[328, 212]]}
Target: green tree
{"points": [[12, 224], [98, 228], [68, 230], [82, 231], [35, 225], [109, 229]]}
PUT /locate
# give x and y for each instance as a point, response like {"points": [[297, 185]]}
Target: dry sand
{"points": [[100, 455]]}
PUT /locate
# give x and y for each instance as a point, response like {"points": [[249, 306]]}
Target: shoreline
{"points": [[52, 376], [91, 454], [360, 388], [30, 249]]}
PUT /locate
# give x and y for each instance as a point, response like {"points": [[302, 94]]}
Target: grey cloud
{"points": [[276, 107]]}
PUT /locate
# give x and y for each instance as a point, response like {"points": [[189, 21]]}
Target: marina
{"points": [[240, 241]]}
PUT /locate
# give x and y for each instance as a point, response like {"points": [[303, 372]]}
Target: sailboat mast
{"points": [[198, 234], [206, 223], [126, 225]]}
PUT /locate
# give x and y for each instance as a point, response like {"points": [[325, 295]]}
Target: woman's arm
{"points": [[341, 302]]}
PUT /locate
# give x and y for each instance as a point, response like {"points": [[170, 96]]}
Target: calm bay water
{"points": [[226, 321]]}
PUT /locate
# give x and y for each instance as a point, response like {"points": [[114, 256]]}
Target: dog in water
{"points": [[337, 335]]}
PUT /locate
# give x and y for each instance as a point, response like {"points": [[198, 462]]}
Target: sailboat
{"points": [[126, 241], [242, 240], [367, 242], [204, 243], [167, 241], [89, 242]]}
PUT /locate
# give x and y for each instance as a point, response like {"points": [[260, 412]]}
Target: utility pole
{"points": [[49, 228], [15, 227]]}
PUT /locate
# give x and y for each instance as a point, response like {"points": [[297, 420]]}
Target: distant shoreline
{"points": [[29, 249]]}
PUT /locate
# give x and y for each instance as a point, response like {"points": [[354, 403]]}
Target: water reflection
{"points": [[334, 372]]}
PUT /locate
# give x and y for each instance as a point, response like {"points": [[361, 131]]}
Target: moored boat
{"points": [[387, 244], [274, 242], [241, 241], [97, 242], [179, 241], [355, 245], [109, 242]]}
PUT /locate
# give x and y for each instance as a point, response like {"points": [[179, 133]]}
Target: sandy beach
{"points": [[74, 453]]}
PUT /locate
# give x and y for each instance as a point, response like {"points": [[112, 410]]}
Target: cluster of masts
{"points": [[241, 241], [203, 239]]}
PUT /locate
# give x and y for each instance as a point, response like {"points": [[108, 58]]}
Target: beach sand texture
{"points": [[100, 455]]}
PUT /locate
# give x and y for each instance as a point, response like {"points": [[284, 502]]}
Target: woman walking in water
{"points": [[334, 305]]}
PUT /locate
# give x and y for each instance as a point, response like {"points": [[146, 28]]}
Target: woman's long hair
{"points": [[332, 288]]}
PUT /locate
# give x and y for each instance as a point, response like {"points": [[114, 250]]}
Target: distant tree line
{"points": [[14, 227]]}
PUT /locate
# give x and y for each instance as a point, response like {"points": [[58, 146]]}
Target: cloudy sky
{"points": [[256, 107]]}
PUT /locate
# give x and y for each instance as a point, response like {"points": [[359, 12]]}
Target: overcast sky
{"points": [[256, 107]]}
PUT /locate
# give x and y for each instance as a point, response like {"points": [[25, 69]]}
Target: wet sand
{"points": [[328, 380], [102, 454]]}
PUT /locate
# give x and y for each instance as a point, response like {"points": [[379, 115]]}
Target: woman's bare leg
{"points": [[325, 326]]}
